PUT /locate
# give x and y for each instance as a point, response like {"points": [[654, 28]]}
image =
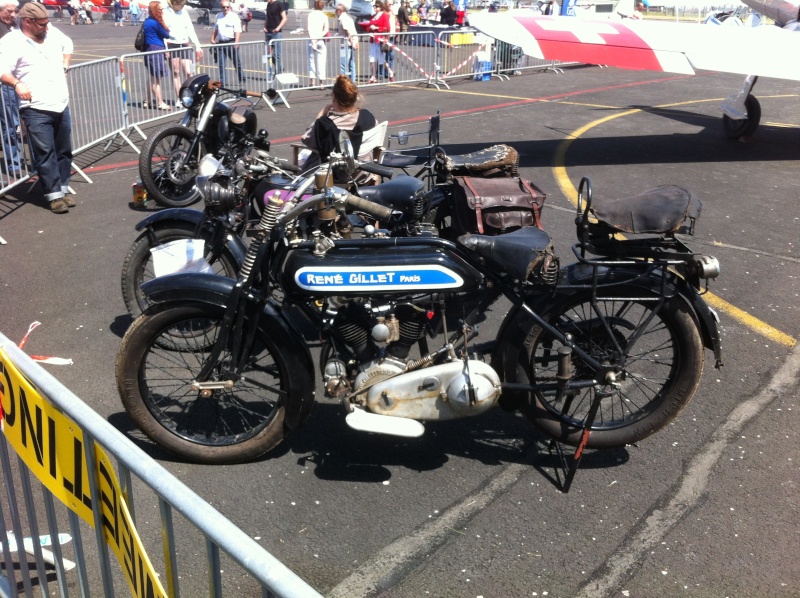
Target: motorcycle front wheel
{"points": [[167, 168], [138, 265], [659, 352], [158, 364]]}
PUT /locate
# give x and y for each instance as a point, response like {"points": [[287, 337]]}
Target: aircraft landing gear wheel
{"points": [[735, 129]]}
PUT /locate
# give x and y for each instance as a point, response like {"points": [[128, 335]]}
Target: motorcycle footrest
{"points": [[364, 421]]}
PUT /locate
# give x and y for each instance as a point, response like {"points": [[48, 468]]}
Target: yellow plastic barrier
{"points": [[51, 445]]}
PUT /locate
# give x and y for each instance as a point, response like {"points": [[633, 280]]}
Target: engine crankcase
{"points": [[447, 391]]}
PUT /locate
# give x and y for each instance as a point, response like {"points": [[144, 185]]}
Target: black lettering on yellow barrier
{"points": [[51, 445]]}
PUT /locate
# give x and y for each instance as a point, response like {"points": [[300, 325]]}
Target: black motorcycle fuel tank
{"points": [[378, 266]]}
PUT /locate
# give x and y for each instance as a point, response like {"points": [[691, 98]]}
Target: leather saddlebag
{"points": [[495, 206]]}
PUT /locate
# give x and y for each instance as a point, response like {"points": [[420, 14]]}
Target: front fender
{"points": [[172, 216], [215, 290]]}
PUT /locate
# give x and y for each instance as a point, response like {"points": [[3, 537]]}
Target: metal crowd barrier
{"points": [[63, 482], [12, 172], [111, 98]]}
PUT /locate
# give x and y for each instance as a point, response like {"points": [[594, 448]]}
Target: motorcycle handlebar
{"points": [[375, 168], [375, 210]]}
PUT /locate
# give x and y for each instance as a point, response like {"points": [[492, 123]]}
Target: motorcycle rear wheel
{"points": [[155, 371], [663, 363], [138, 265], [167, 171]]}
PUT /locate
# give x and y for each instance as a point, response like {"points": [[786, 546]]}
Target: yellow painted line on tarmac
{"points": [[782, 125], [571, 193]]}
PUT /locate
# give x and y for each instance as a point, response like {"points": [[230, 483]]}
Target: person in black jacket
{"points": [[448, 14], [344, 113]]}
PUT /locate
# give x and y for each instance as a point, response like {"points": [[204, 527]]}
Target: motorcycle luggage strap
{"points": [[516, 252], [663, 209]]}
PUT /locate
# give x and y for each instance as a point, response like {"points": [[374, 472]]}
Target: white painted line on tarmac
{"points": [[392, 563], [652, 532], [396, 560]]}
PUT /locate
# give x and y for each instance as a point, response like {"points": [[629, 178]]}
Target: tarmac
{"points": [[705, 508]]}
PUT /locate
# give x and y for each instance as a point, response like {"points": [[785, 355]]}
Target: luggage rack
{"points": [[660, 250]]}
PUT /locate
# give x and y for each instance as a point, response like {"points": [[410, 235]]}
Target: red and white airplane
{"points": [[764, 51]]}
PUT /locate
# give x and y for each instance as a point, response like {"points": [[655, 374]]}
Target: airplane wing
{"points": [[648, 45]]}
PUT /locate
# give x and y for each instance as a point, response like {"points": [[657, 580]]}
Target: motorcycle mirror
{"points": [[346, 147]]}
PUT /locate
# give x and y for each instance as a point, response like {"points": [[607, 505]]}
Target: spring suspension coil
{"points": [[264, 228]]}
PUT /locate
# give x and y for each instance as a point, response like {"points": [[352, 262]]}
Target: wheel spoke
{"points": [[225, 416]]}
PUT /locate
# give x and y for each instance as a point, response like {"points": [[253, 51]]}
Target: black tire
{"points": [[138, 265], [660, 375], [167, 172], [231, 426], [734, 129]]}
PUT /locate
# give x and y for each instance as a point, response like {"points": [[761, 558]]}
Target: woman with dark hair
{"points": [[155, 32], [379, 23], [344, 113], [317, 48]]}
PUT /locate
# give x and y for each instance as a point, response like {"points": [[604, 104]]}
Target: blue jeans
{"points": [[51, 146], [348, 61], [9, 121], [134, 18], [223, 53], [388, 59], [276, 50]]}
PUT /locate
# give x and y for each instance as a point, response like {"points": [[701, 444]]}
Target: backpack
{"points": [[139, 43]]}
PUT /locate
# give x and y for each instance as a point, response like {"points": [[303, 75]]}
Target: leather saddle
{"points": [[661, 210]]}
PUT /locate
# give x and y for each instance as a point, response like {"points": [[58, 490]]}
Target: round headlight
{"points": [[187, 98]]}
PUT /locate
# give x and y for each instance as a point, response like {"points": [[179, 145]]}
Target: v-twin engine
{"points": [[380, 375]]}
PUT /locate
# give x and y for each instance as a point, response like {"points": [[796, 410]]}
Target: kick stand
{"points": [[569, 466], [565, 466]]}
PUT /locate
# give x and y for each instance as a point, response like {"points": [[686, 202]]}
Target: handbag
{"points": [[139, 43], [386, 47], [494, 206]]}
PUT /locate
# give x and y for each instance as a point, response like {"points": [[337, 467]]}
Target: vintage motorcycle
{"points": [[604, 351], [169, 158], [221, 225]]}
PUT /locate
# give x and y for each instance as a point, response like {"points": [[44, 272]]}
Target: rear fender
{"points": [[706, 319], [513, 329], [215, 290]]}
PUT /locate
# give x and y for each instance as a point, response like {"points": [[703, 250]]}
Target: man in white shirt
{"points": [[347, 29], [227, 30], [33, 61]]}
